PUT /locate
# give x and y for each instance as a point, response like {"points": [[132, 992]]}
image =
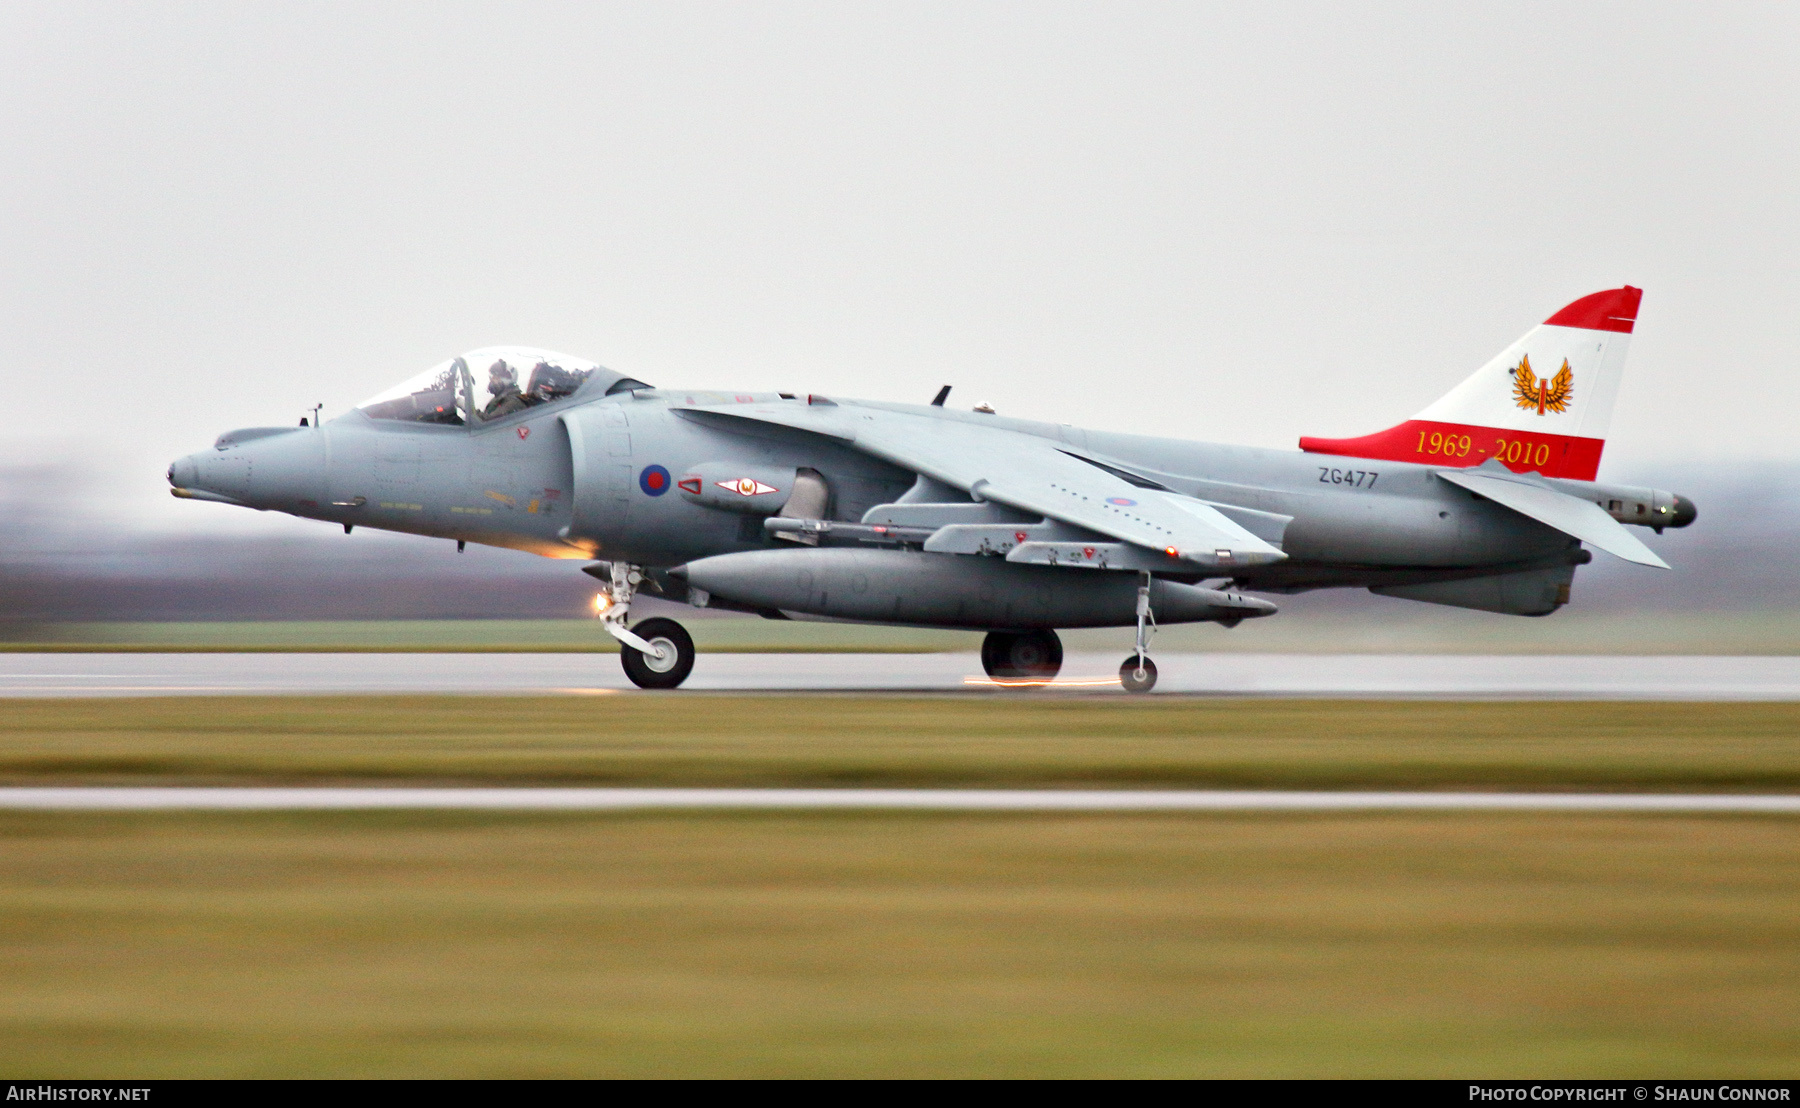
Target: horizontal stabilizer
{"points": [[1570, 515]]}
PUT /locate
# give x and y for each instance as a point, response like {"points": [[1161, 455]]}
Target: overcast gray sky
{"points": [[1239, 222]]}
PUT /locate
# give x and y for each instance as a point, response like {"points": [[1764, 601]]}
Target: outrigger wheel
{"points": [[1026, 656], [672, 662], [1137, 673]]}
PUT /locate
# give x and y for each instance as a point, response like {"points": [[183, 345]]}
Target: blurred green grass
{"points": [[479, 945], [995, 739]]}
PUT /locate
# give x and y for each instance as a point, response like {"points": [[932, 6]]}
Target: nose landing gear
{"points": [[1030, 656], [657, 653]]}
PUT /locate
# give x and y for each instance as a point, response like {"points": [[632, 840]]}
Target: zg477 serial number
{"points": [[1355, 478]]}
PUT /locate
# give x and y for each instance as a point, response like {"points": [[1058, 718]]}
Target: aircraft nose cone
{"points": [[267, 468], [1685, 512]]}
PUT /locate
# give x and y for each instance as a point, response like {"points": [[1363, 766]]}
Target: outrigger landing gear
{"points": [[1028, 656], [1138, 673], [657, 653]]}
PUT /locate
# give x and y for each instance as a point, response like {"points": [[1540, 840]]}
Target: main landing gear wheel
{"points": [[1030, 656], [1138, 674], [672, 662]]}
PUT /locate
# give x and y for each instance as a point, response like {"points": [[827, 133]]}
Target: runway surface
{"points": [[1330, 675], [948, 800]]}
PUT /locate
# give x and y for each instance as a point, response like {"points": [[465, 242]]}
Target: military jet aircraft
{"points": [[796, 506]]}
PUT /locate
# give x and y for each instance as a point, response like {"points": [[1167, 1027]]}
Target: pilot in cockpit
{"points": [[503, 386]]}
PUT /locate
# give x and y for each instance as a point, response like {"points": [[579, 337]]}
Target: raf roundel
{"points": [[1122, 501], [654, 480]]}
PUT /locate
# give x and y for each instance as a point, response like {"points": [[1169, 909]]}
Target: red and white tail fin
{"points": [[1542, 406]]}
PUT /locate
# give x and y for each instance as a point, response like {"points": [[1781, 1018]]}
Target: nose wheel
{"points": [[657, 653], [671, 662], [1030, 656]]}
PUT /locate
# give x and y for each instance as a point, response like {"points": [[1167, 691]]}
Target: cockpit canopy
{"points": [[492, 383]]}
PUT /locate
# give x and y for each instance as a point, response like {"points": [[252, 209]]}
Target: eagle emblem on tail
{"points": [[1532, 391]]}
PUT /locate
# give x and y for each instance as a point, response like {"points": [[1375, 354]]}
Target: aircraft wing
{"points": [[1025, 472], [1571, 515]]}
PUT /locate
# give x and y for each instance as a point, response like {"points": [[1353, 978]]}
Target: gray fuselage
{"points": [[594, 479]]}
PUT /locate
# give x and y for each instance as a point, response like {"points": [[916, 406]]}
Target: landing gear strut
{"points": [[1027, 656], [1138, 673], [657, 653]]}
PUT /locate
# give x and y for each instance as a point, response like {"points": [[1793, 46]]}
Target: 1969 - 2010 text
{"points": [[1516, 451]]}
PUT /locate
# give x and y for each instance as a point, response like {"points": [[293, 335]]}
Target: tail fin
{"points": [[1542, 406]]}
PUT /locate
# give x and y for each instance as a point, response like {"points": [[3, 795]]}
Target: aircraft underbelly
{"points": [[949, 590], [1400, 532]]}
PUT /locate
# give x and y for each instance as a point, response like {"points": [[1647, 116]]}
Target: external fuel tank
{"points": [[948, 590]]}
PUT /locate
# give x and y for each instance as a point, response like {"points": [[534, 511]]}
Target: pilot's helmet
{"points": [[502, 377]]}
